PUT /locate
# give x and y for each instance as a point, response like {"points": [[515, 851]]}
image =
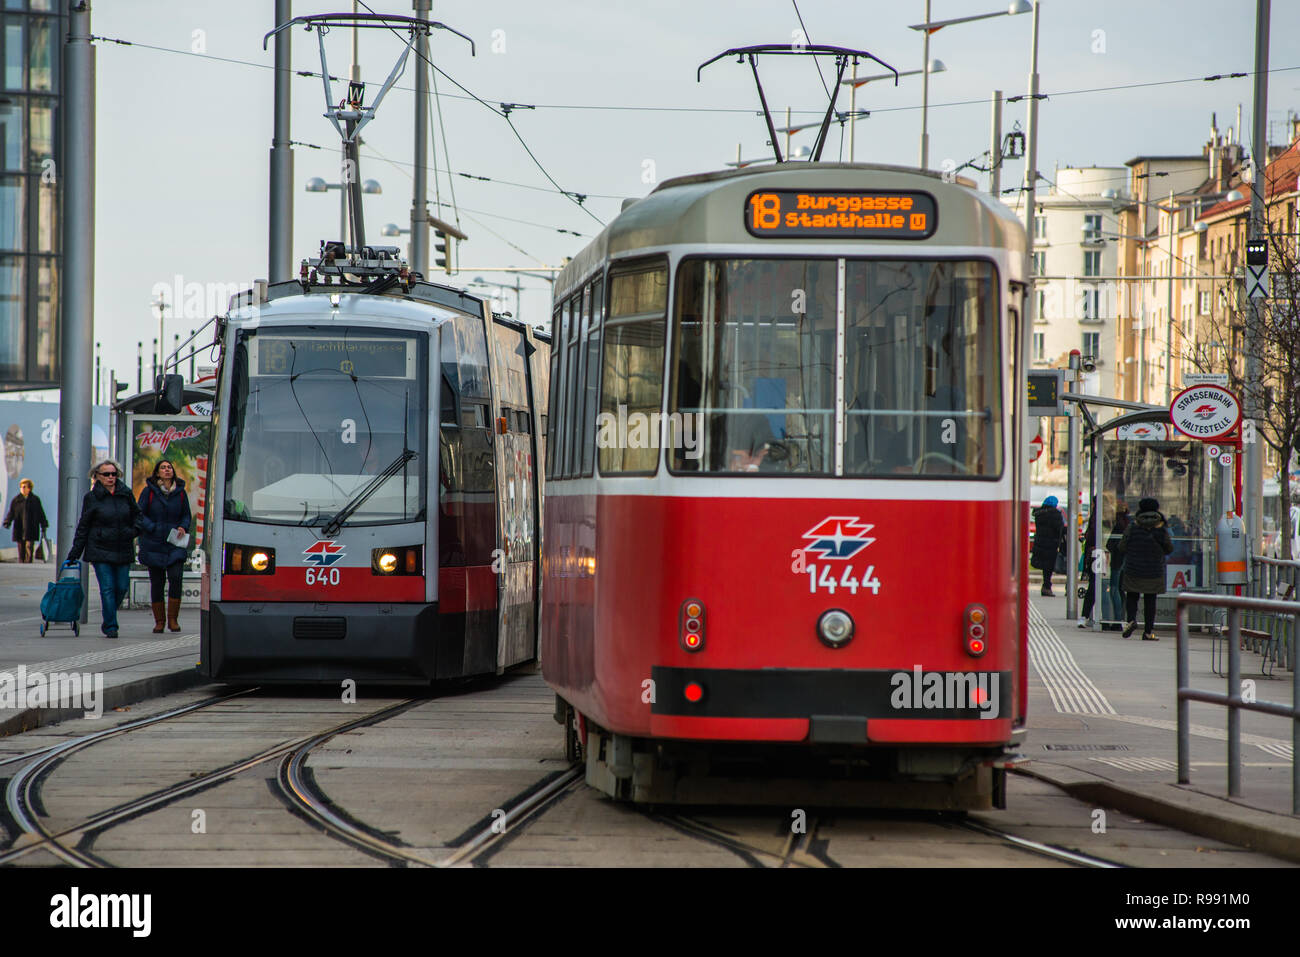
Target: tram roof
{"points": [[709, 208]]}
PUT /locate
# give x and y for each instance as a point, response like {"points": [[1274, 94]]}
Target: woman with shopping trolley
{"points": [[110, 521]]}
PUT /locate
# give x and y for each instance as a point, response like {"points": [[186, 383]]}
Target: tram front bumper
{"points": [[290, 642]]}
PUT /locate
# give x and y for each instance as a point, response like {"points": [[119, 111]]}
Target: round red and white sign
{"points": [[1035, 448], [1205, 412], [1213, 451], [1225, 459]]}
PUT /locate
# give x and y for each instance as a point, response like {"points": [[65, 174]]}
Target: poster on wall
{"points": [[185, 441], [29, 441]]}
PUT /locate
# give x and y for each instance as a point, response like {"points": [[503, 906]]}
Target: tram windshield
{"points": [[316, 413], [756, 362]]}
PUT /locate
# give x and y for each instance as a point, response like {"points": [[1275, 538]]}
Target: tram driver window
{"points": [[753, 387]]}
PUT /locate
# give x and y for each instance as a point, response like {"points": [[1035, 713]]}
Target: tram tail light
{"points": [[976, 631], [690, 625], [404, 560], [248, 560]]}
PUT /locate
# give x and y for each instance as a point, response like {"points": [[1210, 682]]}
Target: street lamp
{"points": [[855, 81], [480, 281], [318, 185], [929, 27]]}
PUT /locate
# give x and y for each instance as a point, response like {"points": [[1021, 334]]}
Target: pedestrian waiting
{"points": [[1049, 540], [110, 521], [166, 511], [1145, 544]]}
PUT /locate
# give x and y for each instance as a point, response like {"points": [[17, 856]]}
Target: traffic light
{"points": [[440, 244]]}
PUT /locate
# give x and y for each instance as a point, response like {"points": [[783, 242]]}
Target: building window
{"points": [[1205, 303], [1040, 263], [1090, 304], [1092, 262], [1041, 312], [1040, 346], [1092, 228], [1091, 344], [1040, 227]]}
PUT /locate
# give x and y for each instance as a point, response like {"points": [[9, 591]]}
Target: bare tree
{"points": [[1272, 327]]}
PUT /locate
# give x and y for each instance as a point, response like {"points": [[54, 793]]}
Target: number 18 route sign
{"points": [[1205, 412]]}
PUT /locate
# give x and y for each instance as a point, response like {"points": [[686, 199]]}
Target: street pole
{"points": [[925, 89], [280, 244], [1073, 509], [1253, 490], [77, 289], [995, 147], [1169, 308], [419, 259], [1031, 173]]}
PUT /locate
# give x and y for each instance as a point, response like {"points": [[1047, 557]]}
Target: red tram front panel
{"points": [[765, 570]]}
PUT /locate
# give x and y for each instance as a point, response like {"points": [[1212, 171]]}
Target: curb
{"points": [[115, 696], [1181, 807]]}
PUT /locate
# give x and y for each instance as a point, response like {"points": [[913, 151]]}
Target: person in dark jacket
{"points": [[1145, 544], [1117, 600], [110, 521], [166, 508], [1049, 540], [1089, 560], [27, 516]]}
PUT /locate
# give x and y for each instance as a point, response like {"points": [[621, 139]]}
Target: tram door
{"points": [[516, 495]]}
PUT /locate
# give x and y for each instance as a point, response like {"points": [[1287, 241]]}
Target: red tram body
{"points": [[783, 535]]}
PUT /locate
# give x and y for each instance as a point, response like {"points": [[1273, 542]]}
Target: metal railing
{"points": [[1271, 634], [1233, 700]]}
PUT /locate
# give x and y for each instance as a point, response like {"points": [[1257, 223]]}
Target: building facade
{"points": [[30, 214]]}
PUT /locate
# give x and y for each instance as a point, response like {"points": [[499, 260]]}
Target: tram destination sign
{"points": [[373, 358], [840, 214], [1205, 412]]}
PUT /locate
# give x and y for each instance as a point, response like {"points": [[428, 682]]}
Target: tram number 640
{"points": [[322, 576], [826, 579]]}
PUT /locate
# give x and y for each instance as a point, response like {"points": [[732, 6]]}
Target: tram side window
{"points": [[552, 416], [632, 368], [753, 380], [922, 388], [593, 376], [577, 363], [466, 489], [561, 413]]}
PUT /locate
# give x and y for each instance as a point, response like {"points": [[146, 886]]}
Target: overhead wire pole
{"points": [[419, 260], [995, 149], [76, 364], [925, 91], [280, 241], [1252, 493]]}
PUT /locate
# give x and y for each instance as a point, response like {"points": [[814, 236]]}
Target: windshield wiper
{"points": [[335, 524]]}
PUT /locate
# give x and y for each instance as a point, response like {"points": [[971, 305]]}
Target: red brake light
{"points": [[694, 692]]}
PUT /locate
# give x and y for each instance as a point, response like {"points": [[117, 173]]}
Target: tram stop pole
{"points": [[1073, 510]]}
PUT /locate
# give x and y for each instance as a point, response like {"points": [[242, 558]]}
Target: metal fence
{"points": [[1236, 607], [1267, 633]]}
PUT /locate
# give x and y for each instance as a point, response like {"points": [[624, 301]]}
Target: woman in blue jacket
{"points": [[166, 508]]}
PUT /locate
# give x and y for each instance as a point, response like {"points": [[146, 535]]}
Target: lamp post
{"points": [[929, 27], [854, 81], [480, 281], [318, 185]]}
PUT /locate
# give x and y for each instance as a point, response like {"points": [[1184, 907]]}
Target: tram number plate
{"points": [[822, 578], [323, 576]]}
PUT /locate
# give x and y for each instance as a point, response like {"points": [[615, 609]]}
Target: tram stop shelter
{"points": [[140, 439], [1140, 455]]}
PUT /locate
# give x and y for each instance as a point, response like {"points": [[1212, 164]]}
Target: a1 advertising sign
{"points": [[1205, 412]]}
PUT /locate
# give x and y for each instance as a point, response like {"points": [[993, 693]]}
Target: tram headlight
{"points": [[835, 628], [405, 560], [248, 560], [975, 633]]}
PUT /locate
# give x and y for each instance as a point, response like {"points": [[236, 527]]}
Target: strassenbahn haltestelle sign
{"points": [[840, 214], [1205, 412]]}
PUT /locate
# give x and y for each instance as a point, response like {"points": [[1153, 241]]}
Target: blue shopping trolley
{"points": [[62, 599]]}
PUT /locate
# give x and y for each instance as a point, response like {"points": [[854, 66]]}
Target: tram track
{"points": [[22, 791]]}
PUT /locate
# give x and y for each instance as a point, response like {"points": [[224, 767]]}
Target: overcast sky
{"points": [[183, 139]]}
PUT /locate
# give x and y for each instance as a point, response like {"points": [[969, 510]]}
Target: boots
{"points": [[173, 610], [157, 617]]}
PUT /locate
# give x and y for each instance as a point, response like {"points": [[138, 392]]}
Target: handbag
{"points": [[1060, 564], [43, 551]]}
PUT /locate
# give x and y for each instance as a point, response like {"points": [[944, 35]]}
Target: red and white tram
{"points": [[785, 514]]}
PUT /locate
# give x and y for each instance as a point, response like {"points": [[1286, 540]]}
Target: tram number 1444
{"points": [[322, 576], [822, 578]]}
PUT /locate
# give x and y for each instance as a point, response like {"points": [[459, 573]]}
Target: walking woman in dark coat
{"points": [[1049, 540], [27, 516], [110, 521], [166, 508], [1145, 544]]}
